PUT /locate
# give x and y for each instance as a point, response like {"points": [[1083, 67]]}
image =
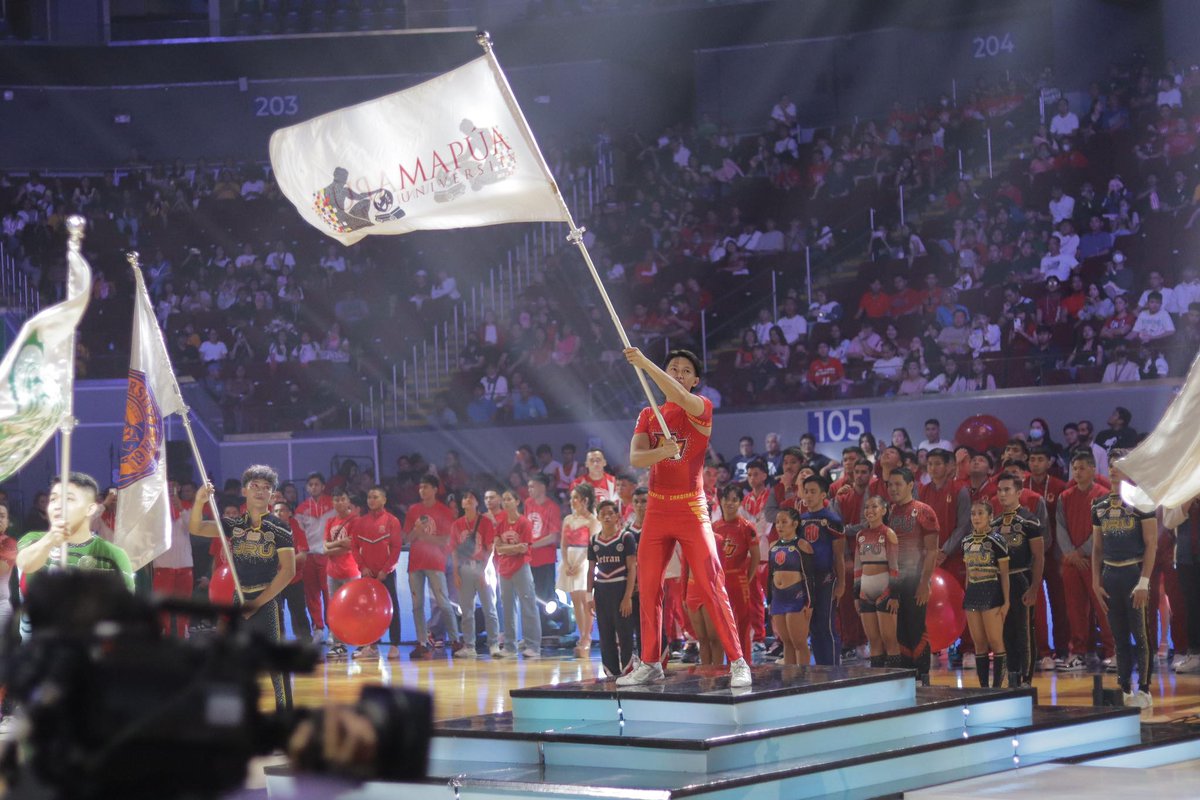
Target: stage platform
{"points": [[846, 732]]}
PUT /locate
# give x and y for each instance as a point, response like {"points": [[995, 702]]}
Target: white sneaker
{"points": [[1127, 699], [968, 661], [495, 651], [1189, 665], [645, 673], [1047, 664], [1142, 700], [739, 674], [529, 652], [1072, 664], [864, 652], [634, 663]]}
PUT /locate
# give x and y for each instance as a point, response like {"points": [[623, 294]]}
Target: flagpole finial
{"points": [[484, 39], [76, 225], [132, 257]]}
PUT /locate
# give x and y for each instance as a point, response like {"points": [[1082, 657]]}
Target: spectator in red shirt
{"points": [[293, 593], [376, 539], [874, 303], [514, 536], [472, 535], [427, 529], [905, 300], [826, 375], [545, 518]]}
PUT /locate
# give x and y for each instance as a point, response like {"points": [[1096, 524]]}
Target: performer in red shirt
{"points": [[472, 535], [340, 566], [312, 515], [754, 511], [916, 528], [377, 538], [427, 530], [545, 517], [848, 502], [1073, 529], [605, 485], [678, 511], [1050, 488], [736, 542]]}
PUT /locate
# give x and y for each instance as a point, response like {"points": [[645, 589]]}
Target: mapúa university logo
{"points": [[471, 162]]}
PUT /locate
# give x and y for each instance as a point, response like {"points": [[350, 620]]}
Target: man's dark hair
{"points": [[1016, 462], [1071, 426], [430, 480], [808, 436], [640, 491], [858, 451], [603, 504], [731, 489], [757, 463], [1154, 296], [940, 452], [794, 452], [543, 448], [259, 472], [819, 481], [1017, 442], [933, 421], [1085, 455], [749, 439], [690, 356], [379, 487], [1013, 479], [905, 473], [316, 475], [338, 491], [81, 480], [1124, 414], [1040, 450], [542, 478], [984, 454]]}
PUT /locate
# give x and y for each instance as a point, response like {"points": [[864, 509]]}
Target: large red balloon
{"points": [[360, 612], [220, 586], [982, 432], [945, 618]]}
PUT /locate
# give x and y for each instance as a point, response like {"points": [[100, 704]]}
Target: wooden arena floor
{"points": [[465, 687]]}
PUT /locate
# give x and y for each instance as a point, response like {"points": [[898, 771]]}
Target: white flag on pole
{"points": [[1166, 465], [448, 153], [35, 376], [143, 526]]}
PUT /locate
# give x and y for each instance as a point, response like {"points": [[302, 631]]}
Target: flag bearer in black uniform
{"points": [[1023, 533], [1125, 542]]}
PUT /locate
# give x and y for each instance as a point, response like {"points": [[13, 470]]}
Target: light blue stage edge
{"points": [[800, 732]]}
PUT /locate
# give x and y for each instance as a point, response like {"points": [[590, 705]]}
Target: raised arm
{"points": [[675, 393]]}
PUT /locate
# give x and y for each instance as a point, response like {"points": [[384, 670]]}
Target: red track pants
{"points": [[1082, 608], [170, 582], [660, 532], [316, 589]]}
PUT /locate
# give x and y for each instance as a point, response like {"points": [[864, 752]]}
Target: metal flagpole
{"points": [[575, 236], [76, 226], [132, 258]]}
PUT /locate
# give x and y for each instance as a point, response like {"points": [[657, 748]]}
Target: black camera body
{"points": [[115, 709]]}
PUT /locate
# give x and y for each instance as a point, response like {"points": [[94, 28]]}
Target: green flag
{"points": [[35, 376]]}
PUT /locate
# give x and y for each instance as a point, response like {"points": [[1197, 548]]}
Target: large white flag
{"points": [[143, 527], [451, 152], [1166, 465], [35, 375]]}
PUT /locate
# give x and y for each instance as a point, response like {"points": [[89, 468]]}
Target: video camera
{"points": [[116, 709]]}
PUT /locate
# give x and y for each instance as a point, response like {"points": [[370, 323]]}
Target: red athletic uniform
{"points": [[737, 538], [753, 504], [678, 512], [545, 519], [1050, 488], [1074, 527], [947, 503], [849, 507]]}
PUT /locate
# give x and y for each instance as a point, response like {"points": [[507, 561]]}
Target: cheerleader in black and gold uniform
{"points": [[985, 554]]}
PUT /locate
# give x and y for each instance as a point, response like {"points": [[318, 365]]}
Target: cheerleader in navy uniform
{"points": [[791, 568], [876, 577], [985, 556]]}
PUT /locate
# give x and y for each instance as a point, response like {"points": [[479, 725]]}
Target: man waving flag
{"points": [[452, 152]]}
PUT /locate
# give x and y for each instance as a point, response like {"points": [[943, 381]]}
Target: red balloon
{"points": [[360, 612], [945, 618], [220, 586], [982, 432]]}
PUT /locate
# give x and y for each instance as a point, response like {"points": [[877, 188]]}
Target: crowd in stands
{"points": [[1071, 265]]}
